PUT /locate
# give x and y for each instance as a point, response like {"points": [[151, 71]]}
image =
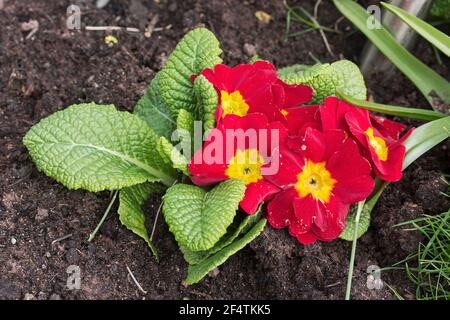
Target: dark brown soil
{"points": [[55, 68]]}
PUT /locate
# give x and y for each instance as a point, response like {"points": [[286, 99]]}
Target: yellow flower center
{"points": [[233, 103], [378, 144], [246, 166], [315, 180], [284, 112]]}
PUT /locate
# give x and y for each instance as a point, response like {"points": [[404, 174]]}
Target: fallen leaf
{"points": [[262, 16]]}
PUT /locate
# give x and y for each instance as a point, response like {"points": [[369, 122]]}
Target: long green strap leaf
{"points": [[439, 39], [406, 112], [198, 271], [427, 81], [424, 138]]}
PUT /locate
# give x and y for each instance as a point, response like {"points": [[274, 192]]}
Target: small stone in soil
{"points": [[28, 296], [214, 273], [41, 214], [55, 296]]}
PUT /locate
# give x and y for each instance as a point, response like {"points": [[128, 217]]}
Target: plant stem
{"points": [[352, 256], [113, 199]]}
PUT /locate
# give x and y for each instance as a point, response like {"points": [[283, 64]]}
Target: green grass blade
{"points": [[353, 253], [439, 39], [406, 112], [427, 81], [424, 138]]}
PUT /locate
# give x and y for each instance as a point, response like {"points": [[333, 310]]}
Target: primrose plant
{"points": [[233, 148]]}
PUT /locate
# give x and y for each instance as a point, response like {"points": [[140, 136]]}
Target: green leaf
{"points": [[406, 112], [172, 156], [424, 138], [199, 49], [96, 147], [207, 102], [291, 71], [327, 79], [254, 58], [441, 8], [185, 121], [131, 213], [439, 39], [238, 227], [198, 271], [154, 112], [299, 73], [185, 131], [364, 221], [197, 218], [427, 81]]}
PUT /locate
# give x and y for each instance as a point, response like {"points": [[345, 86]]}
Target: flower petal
{"points": [[289, 166], [300, 118], [295, 94], [256, 193], [337, 214], [280, 211], [304, 238], [309, 211], [387, 128]]}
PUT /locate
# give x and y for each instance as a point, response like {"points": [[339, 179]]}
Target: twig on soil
{"points": [[157, 215], [316, 60], [156, 220], [336, 24], [151, 26], [111, 28], [62, 238], [322, 33], [113, 199], [135, 281], [333, 284]]}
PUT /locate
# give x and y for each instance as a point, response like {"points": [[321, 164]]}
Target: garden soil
{"points": [[52, 68]]}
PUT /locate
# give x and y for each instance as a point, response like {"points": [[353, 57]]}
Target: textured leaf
{"points": [[207, 102], [185, 121], [291, 71], [185, 132], [299, 73], [239, 227], [364, 220], [172, 156], [130, 210], [198, 271], [199, 49], [153, 111], [327, 79], [96, 147], [197, 218]]}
